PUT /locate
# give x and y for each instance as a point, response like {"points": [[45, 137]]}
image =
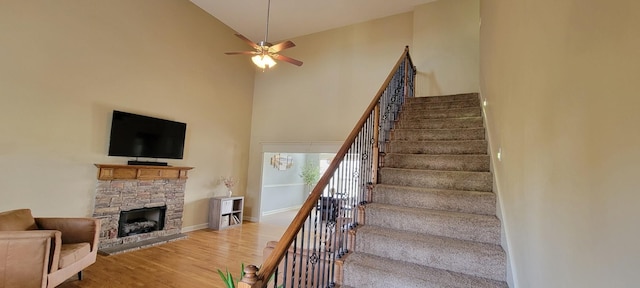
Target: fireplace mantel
{"points": [[124, 172]]}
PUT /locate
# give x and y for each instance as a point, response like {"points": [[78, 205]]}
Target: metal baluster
{"points": [[323, 248], [309, 253], [314, 256], [284, 273], [275, 278], [293, 261]]}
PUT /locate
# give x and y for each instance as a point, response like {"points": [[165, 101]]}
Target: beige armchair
{"points": [[44, 252]]}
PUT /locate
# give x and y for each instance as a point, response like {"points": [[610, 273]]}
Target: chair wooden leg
{"points": [[80, 275]]}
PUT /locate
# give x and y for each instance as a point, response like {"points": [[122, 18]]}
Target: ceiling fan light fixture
{"points": [[265, 52], [263, 61]]}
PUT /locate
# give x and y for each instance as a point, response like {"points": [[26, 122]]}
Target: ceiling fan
{"points": [[265, 52]]}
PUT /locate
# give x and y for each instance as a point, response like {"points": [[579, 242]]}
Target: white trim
{"points": [[250, 219], [301, 147], [511, 272], [282, 210], [195, 227], [282, 185]]}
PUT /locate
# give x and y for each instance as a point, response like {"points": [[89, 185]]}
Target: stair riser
{"points": [[446, 123], [371, 271], [421, 115], [454, 201], [469, 181], [439, 134], [484, 229], [448, 98], [443, 147], [477, 163], [468, 261], [362, 276], [441, 105]]}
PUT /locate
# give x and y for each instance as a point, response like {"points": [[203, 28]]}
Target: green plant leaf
{"points": [[242, 271], [225, 278], [310, 173], [230, 283]]}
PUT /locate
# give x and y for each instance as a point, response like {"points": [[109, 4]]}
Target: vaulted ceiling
{"points": [[292, 18]]}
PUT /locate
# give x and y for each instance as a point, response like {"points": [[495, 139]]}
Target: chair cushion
{"points": [[17, 220], [71, 253]]}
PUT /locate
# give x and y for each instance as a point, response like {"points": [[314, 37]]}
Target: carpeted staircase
{"points": [[432, 222]]}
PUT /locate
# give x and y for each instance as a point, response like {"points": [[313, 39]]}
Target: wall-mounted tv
{"points": [[135, 135]]}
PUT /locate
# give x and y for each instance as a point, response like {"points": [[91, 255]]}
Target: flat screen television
{"points": [[135, 135]]}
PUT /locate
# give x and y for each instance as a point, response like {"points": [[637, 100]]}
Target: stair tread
{"points": [[464, 256], [456, 118], [440, 141], [423, 211], [440, 110], [438, 146], [424, 100], [426, 155], [437, 190], [439, 129], [444, 98], [408, 275], [459, 225], [474, 133], [443, 179], [448, 162], [437, 171], [426, 106], [477, 202], [428, 240]]}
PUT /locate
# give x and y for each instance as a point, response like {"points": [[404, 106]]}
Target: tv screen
{"points": [[135, 135]]}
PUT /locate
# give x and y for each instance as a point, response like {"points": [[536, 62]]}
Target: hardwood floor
{"points": [[185, 263]]}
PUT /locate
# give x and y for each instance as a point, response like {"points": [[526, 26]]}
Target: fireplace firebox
{"points": [[138, 221]]}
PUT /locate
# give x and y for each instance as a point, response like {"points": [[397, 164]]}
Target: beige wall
{"points": [[322, 100], [445, 47], [560, 78], [65, 65]]}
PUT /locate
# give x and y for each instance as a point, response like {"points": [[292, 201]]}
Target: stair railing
{"points": [[322, 232]]}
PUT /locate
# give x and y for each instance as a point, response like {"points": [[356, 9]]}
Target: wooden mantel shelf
{"points": [[124, 172]]}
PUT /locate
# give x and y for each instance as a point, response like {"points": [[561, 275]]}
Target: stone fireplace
{"points": [[151, 198]]}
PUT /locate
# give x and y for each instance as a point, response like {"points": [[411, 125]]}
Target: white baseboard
{"points": [[281, 210], [250, 219], [504, 240], [195, 227]]}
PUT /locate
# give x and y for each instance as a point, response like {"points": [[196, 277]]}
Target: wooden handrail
{"points": [[269, 266]]}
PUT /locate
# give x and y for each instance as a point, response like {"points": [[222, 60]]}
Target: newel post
{"points": [[250, 278]]}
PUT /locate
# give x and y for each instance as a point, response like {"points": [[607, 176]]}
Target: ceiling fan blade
{"points": [[251, 43], [287, 59], [242, 52], [281, 46]]}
